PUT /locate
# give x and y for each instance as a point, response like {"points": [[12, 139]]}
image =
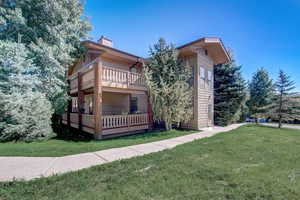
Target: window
{"points": [[88, 104], [133, 104], [210, 112], [202, 77], [74, 104], [133, 69], [191, 80], [209, 79]]}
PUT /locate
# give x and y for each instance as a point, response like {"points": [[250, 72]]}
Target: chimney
{"points": [[105, 41]]}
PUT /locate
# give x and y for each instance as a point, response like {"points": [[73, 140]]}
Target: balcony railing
{"points": [[111, 77], [119, 121], [111, 123], [123, 78]]}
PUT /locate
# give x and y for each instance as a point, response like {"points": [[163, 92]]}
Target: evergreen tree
{"points": [[285, 104], [229, 93], [261, 91], [51, 31], [167, 79], [25, 113]]}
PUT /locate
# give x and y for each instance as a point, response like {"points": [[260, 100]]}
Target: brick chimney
{"points": [[105, 41]]}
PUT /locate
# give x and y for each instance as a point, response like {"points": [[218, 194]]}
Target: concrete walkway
{"points": [[283, 125], [35, 167]]}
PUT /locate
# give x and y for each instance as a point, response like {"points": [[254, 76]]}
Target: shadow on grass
{"points": [[72, 134]]}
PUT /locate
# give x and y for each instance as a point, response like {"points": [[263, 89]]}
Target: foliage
{"points": [[25, 113], [25, 116], [261, 91], [51, 31], [167, 79], [229, 94], [285, 104]]}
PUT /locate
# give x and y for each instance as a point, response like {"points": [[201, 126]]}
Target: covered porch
{"points": [[122, 114]]}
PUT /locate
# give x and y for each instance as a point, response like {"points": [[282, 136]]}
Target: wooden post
{"points": [[150, 113], [69, 108], [98, 100], [69, 113], [80, 101]]}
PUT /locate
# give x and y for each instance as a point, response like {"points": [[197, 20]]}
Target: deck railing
{"points": [[119, 121], [115, 75], [111, 77], [88, 120], [74, 118]]}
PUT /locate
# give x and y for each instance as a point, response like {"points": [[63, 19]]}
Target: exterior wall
{"points": [[203, 92], [115, 64], [115, 103]]}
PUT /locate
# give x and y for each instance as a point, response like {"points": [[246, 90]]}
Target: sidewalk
{"points": [[28, 168]]}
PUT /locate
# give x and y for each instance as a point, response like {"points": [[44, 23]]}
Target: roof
{"points": [[209, 41], [110, 48]]}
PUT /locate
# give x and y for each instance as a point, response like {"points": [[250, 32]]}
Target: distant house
{"points": [[108, 93]]}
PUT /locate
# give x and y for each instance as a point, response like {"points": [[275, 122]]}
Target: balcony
{"points": [[111, 77], [111, 124]]}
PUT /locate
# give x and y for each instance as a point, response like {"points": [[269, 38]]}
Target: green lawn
{"points": [[252, 162], [59, 147]]}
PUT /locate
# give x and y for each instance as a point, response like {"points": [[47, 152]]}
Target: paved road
{"points": [[35, 167], [284, 126]]}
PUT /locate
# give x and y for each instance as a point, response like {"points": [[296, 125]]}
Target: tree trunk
{"points": [[280, 110], [280, 122]]}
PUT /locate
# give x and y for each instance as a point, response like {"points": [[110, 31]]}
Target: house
{"points": [[109, 97]]}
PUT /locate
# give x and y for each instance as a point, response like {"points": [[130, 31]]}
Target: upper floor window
{"points": [[133, 69], [209, 79], [202, 77]]}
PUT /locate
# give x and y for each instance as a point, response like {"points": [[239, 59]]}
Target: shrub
{"points": [[25, 116]]}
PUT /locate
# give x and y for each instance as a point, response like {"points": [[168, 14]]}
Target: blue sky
{"points": [[260, 33]]}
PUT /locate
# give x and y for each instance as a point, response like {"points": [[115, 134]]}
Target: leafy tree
{"points": [[51, 31], [167, 79], [261, 91], [25, 112], [285, 103], [229, 93]]}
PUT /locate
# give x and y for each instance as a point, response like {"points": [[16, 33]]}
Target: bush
{"points": [[25, 116]]}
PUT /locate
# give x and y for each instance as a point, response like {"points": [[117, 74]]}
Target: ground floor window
{"points": [[133, 104], [88, 104], [210, 112], [74, 104]]}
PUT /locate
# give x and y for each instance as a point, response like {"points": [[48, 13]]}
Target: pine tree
{"points": [[229, 93], [285, 104], [167, 79], [52, 32], [25, 112], [261, 91]]}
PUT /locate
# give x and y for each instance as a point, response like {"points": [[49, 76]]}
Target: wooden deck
{"points": [[111, 78]]}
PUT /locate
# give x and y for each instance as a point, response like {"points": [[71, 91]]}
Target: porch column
{"points": [[98, 99], [150, 112], [80, 101], [69, 108]]}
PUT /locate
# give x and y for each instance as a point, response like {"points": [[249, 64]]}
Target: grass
{"points": [[249, 163], [62, 147]]}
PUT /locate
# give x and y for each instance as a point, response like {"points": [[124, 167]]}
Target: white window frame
{"points": [[210, 78], [74, 104], [202, 75]]}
